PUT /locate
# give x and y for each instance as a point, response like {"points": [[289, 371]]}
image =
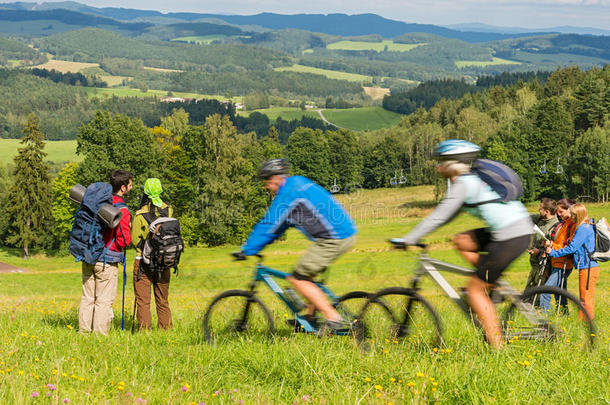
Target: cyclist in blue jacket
{"points": [[301, 203]]}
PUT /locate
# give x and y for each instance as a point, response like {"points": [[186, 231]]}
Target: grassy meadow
{"points": [[362, 119], [331, 74], [57, 151], [44, 359], [372, 46], [287, 113], [477, 63], [131, 92]]}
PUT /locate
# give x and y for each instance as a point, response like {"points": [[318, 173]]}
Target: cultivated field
{"points": [[64, 66], [496, 61], [206, 39], [363, 119], [376, 93], [287, 113], [331, 74], [130, 92], [372, 46], [44, 359], [58, 151]]}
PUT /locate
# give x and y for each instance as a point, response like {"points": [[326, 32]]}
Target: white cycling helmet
{"points": [[456, 149]]}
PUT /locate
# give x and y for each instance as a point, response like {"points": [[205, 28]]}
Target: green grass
{"points": [[58, 151], [331, 74], [39, 344], [372, 46], [363, 119], [287, 113], [496, 61], [206, 39], [130, 92]]}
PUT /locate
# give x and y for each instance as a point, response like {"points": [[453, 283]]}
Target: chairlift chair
{"points": [[559, 168], [543, 168], [334, 188], [402, 179]]}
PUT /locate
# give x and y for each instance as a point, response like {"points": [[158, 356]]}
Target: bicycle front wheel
{"points": [[562, 318], [236, 313], [350, 305], [398, 315]]}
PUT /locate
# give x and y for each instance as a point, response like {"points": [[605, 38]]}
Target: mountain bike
{"points": [[242, 312], [410, 318]]}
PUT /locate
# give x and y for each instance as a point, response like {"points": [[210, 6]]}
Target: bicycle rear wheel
{"points": [[561, 323], [350, 305], [236, 312], [398, 315]]}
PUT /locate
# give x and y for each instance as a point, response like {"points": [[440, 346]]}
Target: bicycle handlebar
{"points": [[400, 244], [239, 256]]}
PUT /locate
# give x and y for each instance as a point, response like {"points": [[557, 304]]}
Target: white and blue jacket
{"points": [[305, 205]]}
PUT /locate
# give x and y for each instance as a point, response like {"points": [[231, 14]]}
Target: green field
{"points": [[363, 119], [58, 151], [372, 46], [331, 74], [287, 113], [496, 61], [130, 92], [39, 343], [206, 39]]}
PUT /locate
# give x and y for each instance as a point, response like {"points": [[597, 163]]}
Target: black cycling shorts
{"points": [[496, 256]]}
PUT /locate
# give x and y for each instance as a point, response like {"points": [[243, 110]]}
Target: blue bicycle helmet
{"points": [[456, 149]]}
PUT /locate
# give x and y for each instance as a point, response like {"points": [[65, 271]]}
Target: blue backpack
{"points": [[87, 235], [501, 178]]}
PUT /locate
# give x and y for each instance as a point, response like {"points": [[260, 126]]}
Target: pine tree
{"points": [[29, 199]]}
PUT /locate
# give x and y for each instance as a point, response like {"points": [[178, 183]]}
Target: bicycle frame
{"points": [[431, 267], [268, 275]]}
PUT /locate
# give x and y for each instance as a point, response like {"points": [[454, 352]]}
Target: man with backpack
{"points": [[100, 278], [489, 191], [151, 266]]}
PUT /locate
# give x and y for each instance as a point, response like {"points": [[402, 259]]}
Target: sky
{"points": [[506, 13]]}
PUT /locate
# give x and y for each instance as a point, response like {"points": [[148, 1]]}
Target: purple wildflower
{"points": [[35, 394], [51, 387], [66, 400]]}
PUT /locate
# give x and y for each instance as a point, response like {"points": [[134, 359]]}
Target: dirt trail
{"points": [[8, 268], [327, 121]]}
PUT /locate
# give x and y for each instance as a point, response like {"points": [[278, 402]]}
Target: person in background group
{"points": [[560, 237], [151, 208], [546, 220], [582, 246], [100, 280]]}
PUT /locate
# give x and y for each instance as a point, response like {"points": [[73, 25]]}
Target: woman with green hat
{"points": [[151, 208]]}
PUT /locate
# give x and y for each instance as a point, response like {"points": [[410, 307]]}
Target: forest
{"points": [[555, 134]]}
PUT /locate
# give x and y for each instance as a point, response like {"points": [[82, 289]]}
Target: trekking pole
{"points": [[124, 281]]}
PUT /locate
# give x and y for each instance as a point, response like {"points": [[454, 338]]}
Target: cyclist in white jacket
{"points": [[490, 249]]}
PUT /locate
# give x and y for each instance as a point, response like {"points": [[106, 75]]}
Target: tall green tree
{"points": [[63, 208], [5, 184], [29, 198], [345, 157], [590, 164], [309, 154], [221, 183], [111, 142]]}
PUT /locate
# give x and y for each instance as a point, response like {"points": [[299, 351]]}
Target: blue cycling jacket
{"points": [[303, 204]]}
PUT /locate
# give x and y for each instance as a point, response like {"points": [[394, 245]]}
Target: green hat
{"points": [[153, 189]]}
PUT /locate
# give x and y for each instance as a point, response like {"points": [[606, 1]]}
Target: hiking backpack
{"points": [[87, 235], [501, 178], [162, 248], [602, 241]]}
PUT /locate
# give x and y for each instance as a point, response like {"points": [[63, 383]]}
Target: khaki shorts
{"points": [[320, 255]]}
